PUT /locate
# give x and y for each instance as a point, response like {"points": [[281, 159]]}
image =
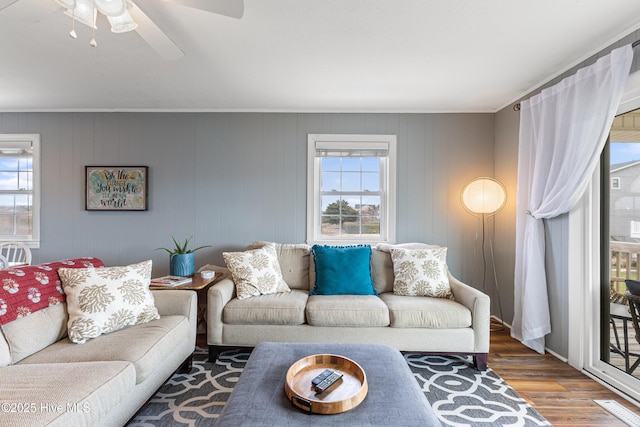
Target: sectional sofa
{"points": [[455, 325], [46, 379]]}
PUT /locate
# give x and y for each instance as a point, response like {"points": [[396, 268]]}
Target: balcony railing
{"points": [[624, 265]]}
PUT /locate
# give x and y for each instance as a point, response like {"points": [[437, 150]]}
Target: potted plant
{"points": [[181, 258]]}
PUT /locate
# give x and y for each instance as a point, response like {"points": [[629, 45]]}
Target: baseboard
{"points": [[556, 355], [546, 349]]}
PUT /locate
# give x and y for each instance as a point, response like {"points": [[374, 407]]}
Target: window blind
{"points": [[338, 149]]}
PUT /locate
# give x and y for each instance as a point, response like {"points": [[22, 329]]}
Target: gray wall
{"points": [[557, 256], [231, 178], [506, 169]]}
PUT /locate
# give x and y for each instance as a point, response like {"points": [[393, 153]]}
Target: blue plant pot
{"points": [[182, 264]]}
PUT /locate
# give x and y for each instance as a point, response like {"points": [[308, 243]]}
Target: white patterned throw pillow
{"points": [[256, 272], [103, 300], [421, 272]]}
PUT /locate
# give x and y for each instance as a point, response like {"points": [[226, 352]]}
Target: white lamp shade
{"points": [[483, 196], [111, 7], [122, 23]]}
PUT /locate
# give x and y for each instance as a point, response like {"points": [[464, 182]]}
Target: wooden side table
{"points": [[201, 286]]}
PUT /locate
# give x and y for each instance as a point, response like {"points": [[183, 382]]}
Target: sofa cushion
{"points": [[145, 346], [104, 300], [381, 271], [79, 394], [426, 312], [276, 309], [382, 266], [421, 272], [342, 270], [294, 262], [5, 353], [28, 289], [32, 333], [347, 310], [256, 272]]}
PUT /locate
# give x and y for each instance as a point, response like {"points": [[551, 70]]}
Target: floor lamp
{"points": [[483, 197]]}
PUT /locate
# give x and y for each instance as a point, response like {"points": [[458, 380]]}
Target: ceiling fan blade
{"points": [[6, 3], [154, 36], [29, 10], [231, 8]]}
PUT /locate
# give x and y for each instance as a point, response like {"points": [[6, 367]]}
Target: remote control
{"points": [[328, 382], [317, 380]]}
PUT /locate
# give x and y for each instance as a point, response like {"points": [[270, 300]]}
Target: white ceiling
{"points": [[310, 55]]}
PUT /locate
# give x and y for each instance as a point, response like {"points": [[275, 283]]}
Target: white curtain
{"points": [[562, 133]]}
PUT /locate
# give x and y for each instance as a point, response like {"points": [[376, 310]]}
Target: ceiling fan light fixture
{"points": [[84, 12], [111, 7], [122, 23], [67, 4], [121, 15]]}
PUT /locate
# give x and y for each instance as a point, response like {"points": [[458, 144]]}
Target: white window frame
{"points": [[615, 183], [30, 141], [388, 186], [584, 288], [584, 278]]}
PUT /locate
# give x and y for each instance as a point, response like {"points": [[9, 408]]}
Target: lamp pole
{"points": [[483, 197], [485, 219]]}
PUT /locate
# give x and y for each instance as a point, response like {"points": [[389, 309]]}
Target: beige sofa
{"points": [[423, 324], [45, 379]]}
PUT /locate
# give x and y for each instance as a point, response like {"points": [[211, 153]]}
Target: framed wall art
{"points": [[116, 188]]}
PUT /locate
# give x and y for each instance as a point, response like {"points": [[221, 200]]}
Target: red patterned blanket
{"points": [[25, 290]]}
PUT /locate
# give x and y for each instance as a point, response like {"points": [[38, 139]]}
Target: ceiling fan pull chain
{"points": [[93, 42], [73, 34]]}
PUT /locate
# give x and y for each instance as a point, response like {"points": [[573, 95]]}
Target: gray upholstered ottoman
{"points": [[394, 398]]}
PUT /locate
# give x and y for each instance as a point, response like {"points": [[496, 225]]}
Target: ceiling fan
{"points": [[123, 15]]}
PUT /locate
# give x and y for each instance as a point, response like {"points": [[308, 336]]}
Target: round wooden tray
{"points": [[345, 395]]}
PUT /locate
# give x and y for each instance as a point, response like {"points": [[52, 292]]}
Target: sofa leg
{"points": [[480, 361], [186, 366], [214, 352]]}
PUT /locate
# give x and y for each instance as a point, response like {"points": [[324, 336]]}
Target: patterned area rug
{"points": [[460, 395]]}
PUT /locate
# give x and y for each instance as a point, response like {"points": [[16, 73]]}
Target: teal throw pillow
{"points": [[343, 270]]}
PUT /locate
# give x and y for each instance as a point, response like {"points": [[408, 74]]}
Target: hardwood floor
{"points": [[562, 394]]}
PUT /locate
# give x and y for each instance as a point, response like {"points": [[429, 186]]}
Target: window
{"points": [[635, 229], [351, 188], [20, 188], [615, 183]]}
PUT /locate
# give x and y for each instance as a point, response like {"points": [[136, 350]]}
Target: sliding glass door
{"points": [[620, 249]]}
